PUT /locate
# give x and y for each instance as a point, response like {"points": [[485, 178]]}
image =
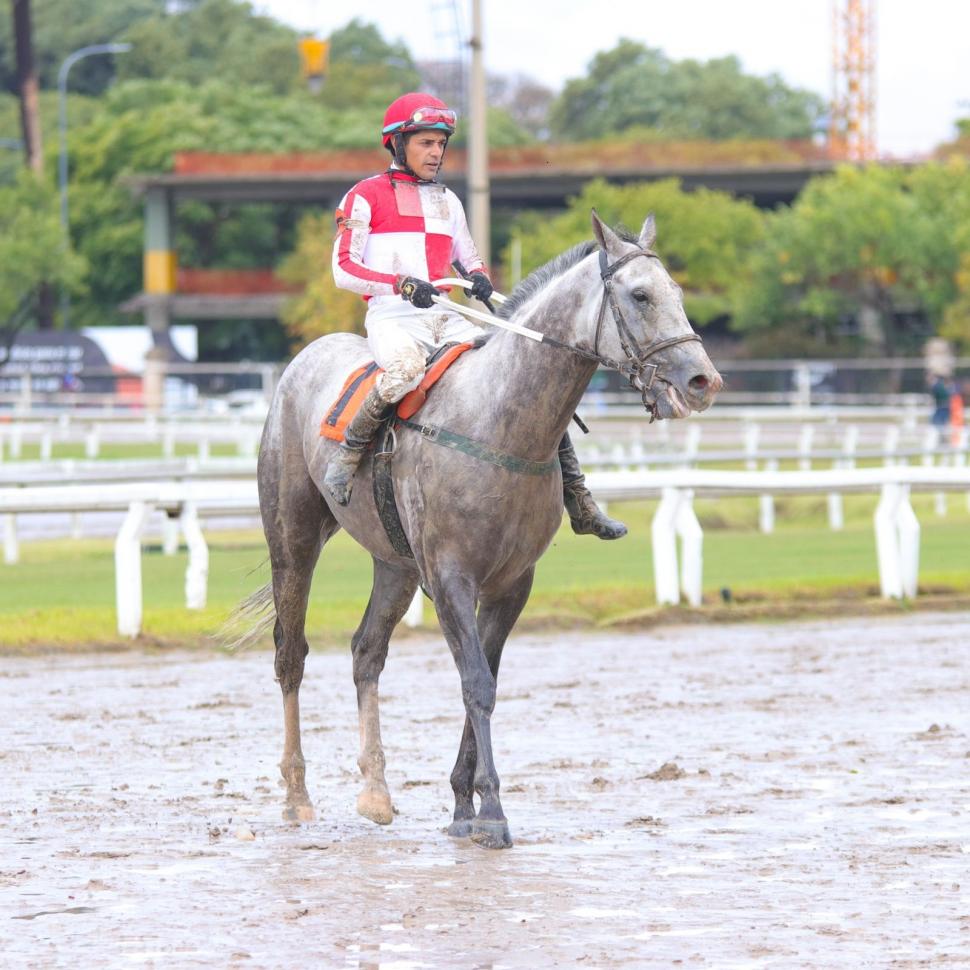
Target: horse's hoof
{"points": [[376, 806], [299, 813], [491, 833], [460, 828]]}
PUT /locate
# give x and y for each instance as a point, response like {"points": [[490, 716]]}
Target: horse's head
{"points": [[642, 326]]}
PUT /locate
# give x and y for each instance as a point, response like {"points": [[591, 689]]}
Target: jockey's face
{"points": [[423, 152]]}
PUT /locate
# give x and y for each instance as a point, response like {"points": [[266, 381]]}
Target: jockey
{"points": [[395, 232]]}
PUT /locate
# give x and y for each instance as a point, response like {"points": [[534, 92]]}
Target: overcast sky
{"points": [[923, 77]]}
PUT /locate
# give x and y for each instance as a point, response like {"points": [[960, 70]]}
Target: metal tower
{"points": [[852, 122]]}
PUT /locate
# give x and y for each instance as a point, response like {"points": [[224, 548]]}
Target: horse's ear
{"points": [[648, 234], [609, 241]]}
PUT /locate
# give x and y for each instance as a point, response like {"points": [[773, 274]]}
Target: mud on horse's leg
{"points": [[289, 672], [495, 621], [455, 603], [390, 597]]}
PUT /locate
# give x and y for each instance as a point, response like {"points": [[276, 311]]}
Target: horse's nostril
{"points": [[699, 383]]}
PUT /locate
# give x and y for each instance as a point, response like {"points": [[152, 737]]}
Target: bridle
{"points": [[639, 371]]}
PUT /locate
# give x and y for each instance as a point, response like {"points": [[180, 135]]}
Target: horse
{"points": [[477, 518]]}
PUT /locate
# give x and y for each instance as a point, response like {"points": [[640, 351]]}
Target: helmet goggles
{"points": [[443, 119]]}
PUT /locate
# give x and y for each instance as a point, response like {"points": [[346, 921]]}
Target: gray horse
{"points": [[477, 518]]}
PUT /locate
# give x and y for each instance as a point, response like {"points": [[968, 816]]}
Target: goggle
{"points": [[443, 118]]}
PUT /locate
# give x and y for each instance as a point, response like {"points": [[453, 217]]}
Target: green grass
{"points": [[62, 593], [30, 451]]}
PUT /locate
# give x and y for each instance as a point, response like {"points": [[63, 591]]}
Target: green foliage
{"points": [[366, 72], [31, 243], [60, 27], [637, 86], [213, 39], [869, 244], [703, 236]]}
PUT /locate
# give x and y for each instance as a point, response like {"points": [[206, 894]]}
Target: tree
{"points": [[320, 307], [703, 236], [634, 86], [32, 251], [63, 26], [865, 257]]}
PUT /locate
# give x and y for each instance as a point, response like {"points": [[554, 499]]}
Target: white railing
{"points": [[896, 526]]}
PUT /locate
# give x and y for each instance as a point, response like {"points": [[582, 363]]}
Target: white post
{"points": [[692, 550], [805, 439], [46, 446], [692, 444], [887, 542], [168, 442], [170, 536], [128, 569], [16, 440], [415, 613], [766, 503], [77, 530], [11, 548], [197, 572], [204, 452], [92, 443], [752, 433], [907, 528], [665, 547], [890, 444]]}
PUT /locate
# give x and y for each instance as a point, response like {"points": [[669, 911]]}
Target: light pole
{"points": [[65, 68]]}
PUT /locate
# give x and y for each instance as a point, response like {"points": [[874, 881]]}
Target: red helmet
{"points": [[416, 112]]}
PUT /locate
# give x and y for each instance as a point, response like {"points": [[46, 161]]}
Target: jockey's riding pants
{"points": [[401, 336]]}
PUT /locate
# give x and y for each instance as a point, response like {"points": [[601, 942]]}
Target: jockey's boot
{"points": [[359, 434], [584, 514]]}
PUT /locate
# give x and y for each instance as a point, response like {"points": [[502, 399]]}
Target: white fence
{"points": [[896, 526]]}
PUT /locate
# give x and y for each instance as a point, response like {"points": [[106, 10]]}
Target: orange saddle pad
{"points": [[359, 383]]}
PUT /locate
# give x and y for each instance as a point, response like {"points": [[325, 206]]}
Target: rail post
{"points": [[128, 590]]}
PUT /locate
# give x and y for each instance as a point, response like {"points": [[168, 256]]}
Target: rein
{"points": [[636, 365]]}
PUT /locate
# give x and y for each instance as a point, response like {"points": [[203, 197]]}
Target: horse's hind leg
{"points": [[297, 523], [393, 591], [495, 622]]}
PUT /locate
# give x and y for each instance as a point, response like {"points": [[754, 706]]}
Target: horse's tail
{"points": [[249, 621]]}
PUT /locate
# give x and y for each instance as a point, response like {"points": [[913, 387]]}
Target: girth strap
{"points": [[479, 450], [384, 497]]}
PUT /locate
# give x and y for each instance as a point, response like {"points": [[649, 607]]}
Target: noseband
{"points": [[637, 369]]}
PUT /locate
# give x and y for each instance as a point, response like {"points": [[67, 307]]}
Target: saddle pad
{"points": [[359, 383]]}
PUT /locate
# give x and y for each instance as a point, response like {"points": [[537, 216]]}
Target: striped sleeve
{"points": [[349, 270]]}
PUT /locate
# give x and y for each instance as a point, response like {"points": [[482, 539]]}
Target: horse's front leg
{"points": [[455, 602], [391, 595], [495, 622]]}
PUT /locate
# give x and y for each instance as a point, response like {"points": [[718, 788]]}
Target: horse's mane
{"points": [[540, 278]]}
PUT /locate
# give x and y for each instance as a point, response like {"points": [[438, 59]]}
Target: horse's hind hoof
{"points": [[460, 828], [491, 833], [299, 813]]}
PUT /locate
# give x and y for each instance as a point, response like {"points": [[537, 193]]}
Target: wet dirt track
{"points": [[731, 796]]}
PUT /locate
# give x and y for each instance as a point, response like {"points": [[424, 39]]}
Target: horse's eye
{"points": [[641, 295]]}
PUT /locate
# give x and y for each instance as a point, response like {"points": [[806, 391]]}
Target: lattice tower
{"points": [[852, 122]]}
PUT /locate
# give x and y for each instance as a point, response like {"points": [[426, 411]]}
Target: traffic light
{"points": [[314, 55]]}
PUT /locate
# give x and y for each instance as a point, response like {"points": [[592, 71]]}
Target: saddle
{"points": [[348, 402], [359, 383]]}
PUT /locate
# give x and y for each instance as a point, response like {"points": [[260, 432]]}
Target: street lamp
{"points": [[65, 68]]}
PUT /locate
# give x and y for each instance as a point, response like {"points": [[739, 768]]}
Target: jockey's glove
{"points": [[417, 292], [481, 287]]}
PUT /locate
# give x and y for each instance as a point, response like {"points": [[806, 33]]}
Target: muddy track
{"points": [[719, 796]]}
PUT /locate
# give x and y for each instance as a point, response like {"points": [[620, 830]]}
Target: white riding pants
{"points": [[401, 336]]}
